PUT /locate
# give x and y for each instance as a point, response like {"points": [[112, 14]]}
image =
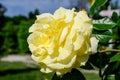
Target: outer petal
{"points": [[94, 44], [43, 21], [60, 13], [62, 66]]}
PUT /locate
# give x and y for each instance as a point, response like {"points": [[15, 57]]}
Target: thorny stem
{"points": [[109, 50], [102, 51], [100, 69]]}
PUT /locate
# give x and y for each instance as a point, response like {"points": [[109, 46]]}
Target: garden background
{"points": [[13, 42]]}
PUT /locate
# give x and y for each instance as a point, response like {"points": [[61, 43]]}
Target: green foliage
{"points": [[106, 29], [103, 36], [9, 37], [118, 23], [116, 30], [96, 5], [22, 35], [102, 29], [111, 77], [115, 17], [103, 24], [115, 58], [14, 35], [113, 68]]}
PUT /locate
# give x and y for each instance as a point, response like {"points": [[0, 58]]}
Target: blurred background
{"points": [[16, 17]]}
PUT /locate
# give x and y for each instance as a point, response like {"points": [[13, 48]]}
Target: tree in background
{"points": [[115, 5], [2, 17], [22, 35], [2, 22], [14, 32], [2, 10], [32, 15], [78, 4]]}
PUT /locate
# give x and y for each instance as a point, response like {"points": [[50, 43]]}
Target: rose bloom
{"points": [[61, 41]]}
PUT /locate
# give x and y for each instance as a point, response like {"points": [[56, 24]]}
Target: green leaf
{"points": [[118, 24], [111, 77], [103, 24], [112, 68], [73, 75], [96, 59], [97, 4], [55, 77], [103, 36], [46, 76], [115, 58], [117, 76], [115, 17]]}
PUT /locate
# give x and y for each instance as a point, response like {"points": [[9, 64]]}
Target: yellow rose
{"points": [[61, 41]]}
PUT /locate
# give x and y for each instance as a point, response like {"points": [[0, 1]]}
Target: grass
{"points": [[21, 71], [32, 75], [12, 65]]}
